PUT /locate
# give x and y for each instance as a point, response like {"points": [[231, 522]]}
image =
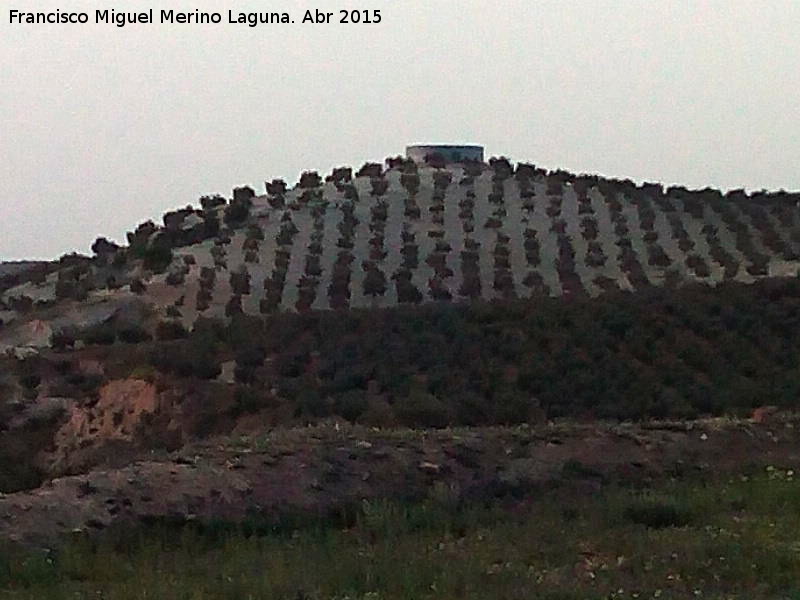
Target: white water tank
{"points": [[450, 153]]}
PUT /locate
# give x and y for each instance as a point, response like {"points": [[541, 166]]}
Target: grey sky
{"points": [[102, 128]]}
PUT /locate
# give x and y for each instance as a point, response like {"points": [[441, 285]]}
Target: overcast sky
{"points": [[102, 128]]}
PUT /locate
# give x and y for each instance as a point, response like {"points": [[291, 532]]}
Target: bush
{"points": [[340, 175], [254, 232], [574, 468], [310, 179], [243, 195], [236, 212], [62, 339], [211, 225], [240, 282], [186, 358], [411, 182], [351, 405], [137, 287], [71, 284], [30, 381], [102, 334], [308, 399], [421, 409], [157, 257], [208, 203], [657, 514], [170, 330], [176, 278], [133, 334], [248, 400], [276, 187], [370, 170]]}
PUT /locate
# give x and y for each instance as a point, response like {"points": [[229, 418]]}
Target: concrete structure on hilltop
{"points": [[450, 153]]}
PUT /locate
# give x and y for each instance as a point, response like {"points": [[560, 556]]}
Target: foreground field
{"points": [[727, 537]]}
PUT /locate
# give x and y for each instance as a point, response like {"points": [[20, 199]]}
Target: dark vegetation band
{"points": [[657, 353]]}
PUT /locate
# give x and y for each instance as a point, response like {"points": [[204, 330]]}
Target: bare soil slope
{"points": [[319, 471]]}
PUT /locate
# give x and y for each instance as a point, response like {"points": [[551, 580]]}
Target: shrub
{"points": [[394, 162], [175, 278], [254, 232], [74, 283], [243, 194], [410, 181], [138, 239], [133, 334], [120, 258], [234, 306], [137, 287], [208, 203], [240, 282], [472, 168], [502, 167], [340, 175], [186, 359], [574, 468], [30, 381], [236, 212], [374, 282], [308, 400], [103, 247], [276, 187], [310, 179], [351, 405], [64, 338], [248, 400], [211, 225], [370, 170], [102, 334], [657, 514], [421, 409], [554, 187], [157, 257], [379, 186], [204, 365], [170, 330]]}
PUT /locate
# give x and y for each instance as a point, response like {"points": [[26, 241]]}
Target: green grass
{"points": [[729, 538]]}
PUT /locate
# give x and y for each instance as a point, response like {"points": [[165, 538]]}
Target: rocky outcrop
{"points": [[123, 407]]}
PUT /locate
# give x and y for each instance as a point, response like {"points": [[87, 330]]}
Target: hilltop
{"points": [[405, 233]]}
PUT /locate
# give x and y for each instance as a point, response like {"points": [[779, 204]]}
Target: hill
{"points": [[410, 361], [410, 295], [409, 234]]}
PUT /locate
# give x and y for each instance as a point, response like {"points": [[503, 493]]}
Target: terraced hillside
{"points": [[408, 233]]}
